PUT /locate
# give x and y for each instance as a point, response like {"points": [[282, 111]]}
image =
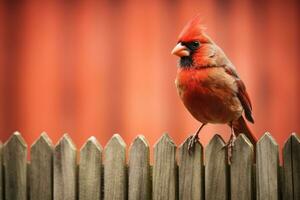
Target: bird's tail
{"points": [[240, 126]]}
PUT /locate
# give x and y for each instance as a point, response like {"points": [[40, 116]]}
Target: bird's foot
{"points": [[229, 146], [193, 139]]}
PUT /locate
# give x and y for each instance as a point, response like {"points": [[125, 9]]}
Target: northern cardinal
{"points": [[208, 84]]}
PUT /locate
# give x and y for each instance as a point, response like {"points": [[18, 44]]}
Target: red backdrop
{"points": [[100, 67]]}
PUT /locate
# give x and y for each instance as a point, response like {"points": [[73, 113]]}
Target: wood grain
{"points": [[65, 169], [15, 161], [52, 173], [241, 169], [191, 172], [164, 170], [40, 170], [216, 170], [267, 169], [115, 181], [291, 168], [139, 185], [90, 170]]}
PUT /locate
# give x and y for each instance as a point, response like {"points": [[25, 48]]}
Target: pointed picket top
{"points": [[16, 138], [164, 185], [216, 141], [190, 171], [92, 142], [139, 142], [115, 168], [15, 159], [41, 168], [90, 171], [293, 137], [65, 169], [184, 152], [242, 169], [267, 165], [292, 140], [185, 144], [66, 140], [164, 139], [267, 138], [116, 139], [296, 136], [43, 140], [139, 184], [243, 141], [216, 187], [291, 167], [242, 148]]}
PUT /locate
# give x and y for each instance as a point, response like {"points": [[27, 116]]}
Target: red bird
{"points": [[208, 84]]}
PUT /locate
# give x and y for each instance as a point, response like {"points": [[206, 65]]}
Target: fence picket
{"points": [[115, 186], [191, 172], [139, 185], [241, 169], [52, 172], [291, 168], [65, 169], [40, 170], [1, 173], [164, 184], [267, 169], [216, 170], [15, 161], [90, 170]]}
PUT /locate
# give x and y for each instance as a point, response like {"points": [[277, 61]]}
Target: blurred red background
{"points": [[100, 67]]}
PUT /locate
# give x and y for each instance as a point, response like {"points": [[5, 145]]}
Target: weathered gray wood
{"points": [[15, 160], [280, 182], [139, 185], [267, 169], [191, 172], [216, 170], [164, 170], [291, 168], [90, 170], [115, 186], [270, 183], [28, 179], [65, 169], [254, 179], [1, 174], [40, 170], [241, 172], [288, 190]]}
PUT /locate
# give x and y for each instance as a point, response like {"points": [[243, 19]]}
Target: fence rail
{"points": [[53, 171]]}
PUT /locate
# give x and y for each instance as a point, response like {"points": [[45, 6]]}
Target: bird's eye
{"points": [[195, 44]]}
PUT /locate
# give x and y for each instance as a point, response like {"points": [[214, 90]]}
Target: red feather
{"points": [[193, 30], [242, 94]]}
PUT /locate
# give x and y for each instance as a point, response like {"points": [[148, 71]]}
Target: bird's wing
{"points": [[242, 93]]}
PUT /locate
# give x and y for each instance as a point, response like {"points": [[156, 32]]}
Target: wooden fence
{"points": [[53, 171]]}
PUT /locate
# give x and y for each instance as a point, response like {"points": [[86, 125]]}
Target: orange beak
{"points": [[180, 50]]}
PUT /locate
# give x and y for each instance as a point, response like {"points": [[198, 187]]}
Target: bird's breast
{"points": [[209, 94]]}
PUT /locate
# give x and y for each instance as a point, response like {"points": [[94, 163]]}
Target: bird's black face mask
{"points": [[186, 61]]}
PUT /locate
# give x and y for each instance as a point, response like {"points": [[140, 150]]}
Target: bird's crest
{"points": [[192, 30]]}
